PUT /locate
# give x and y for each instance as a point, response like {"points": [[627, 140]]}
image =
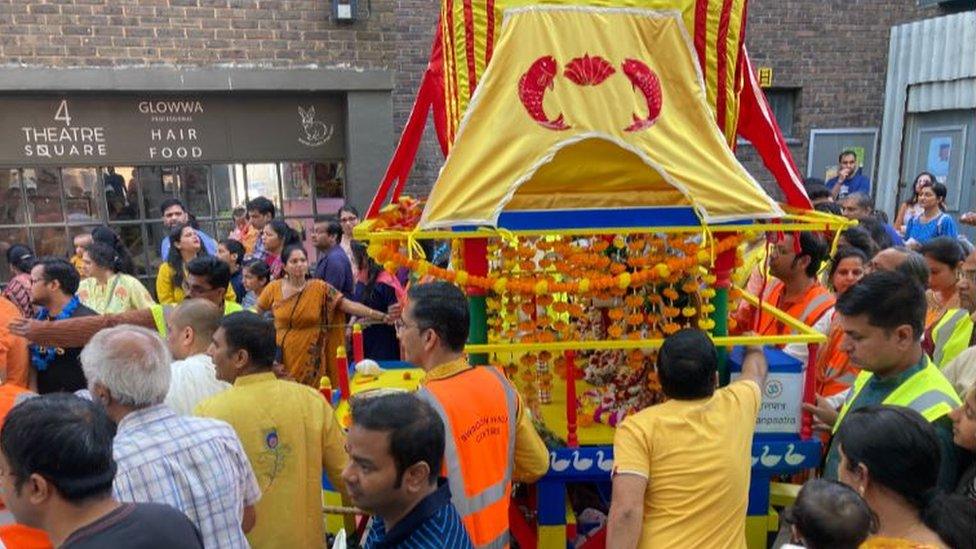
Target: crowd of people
{"points": [[895, 391], [185, 434], [195, 420], [156, 366], [267, 266]]}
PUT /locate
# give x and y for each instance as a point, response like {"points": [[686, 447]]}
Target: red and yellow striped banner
{"points": [[469, 29]]}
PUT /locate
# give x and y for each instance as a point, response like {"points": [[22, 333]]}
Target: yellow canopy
{"points": [[590, 107]]}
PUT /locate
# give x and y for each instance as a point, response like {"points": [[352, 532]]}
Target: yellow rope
{"points": [[805, 334], [800, 226], [414, 247]]}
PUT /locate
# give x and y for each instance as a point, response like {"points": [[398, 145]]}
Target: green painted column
{"points": [[724, 264], [720, 315], [478, 332]]}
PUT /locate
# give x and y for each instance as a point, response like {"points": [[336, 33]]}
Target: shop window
{"points": [[121, 193], [81, 194], [13, 211], [134, 241], [9, 237], [155, 187], [783, 102], [155, 233], [330, 178], [55, 204], [43, 189], [262, 180], [194, 189], [229, 188], [296, 187], [330, 186], [222, 229], [50, 241]]}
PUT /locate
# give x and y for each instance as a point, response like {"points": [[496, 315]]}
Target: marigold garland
{"points": [[392, 259], [578, 288]]}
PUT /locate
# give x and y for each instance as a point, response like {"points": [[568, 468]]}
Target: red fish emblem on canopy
{"points": [[587, 71], [532, 89], [644, 79]]}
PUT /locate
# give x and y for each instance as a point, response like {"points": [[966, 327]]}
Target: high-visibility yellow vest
{"points": [[159, 314], [951, 335], [927, 392]]}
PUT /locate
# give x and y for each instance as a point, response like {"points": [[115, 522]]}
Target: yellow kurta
{"points": [[696, 457], [290, 436], [128, 294]]}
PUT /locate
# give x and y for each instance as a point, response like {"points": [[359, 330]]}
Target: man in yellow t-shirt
{"points": [[288, 432], [681, 468]]}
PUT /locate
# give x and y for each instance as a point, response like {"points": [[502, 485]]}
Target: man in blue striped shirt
{"points": [[196, 465], [395, 446]]}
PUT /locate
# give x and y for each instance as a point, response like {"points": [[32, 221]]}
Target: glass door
{"points": [[944, 144]]}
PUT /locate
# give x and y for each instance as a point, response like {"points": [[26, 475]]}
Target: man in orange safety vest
{"points": [[794, 261], [490, 438]]}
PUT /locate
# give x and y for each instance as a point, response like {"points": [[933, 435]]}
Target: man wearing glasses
{"points": [[794, 261], [207, 278], [961, 371], [490, 439], [349, 218]]}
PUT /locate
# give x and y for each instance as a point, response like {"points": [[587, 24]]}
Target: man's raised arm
{"points": [[75, 332]]}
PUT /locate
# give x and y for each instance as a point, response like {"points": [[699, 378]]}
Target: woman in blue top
{"points": [[932, 222], [377, 289]]}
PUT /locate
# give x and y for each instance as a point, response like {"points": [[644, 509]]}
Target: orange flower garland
{"points": [[579, 288], [390, 256]]}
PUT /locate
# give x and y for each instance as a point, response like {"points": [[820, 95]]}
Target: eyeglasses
{"points": [[968, 275], [196, 289], [400, 325]]}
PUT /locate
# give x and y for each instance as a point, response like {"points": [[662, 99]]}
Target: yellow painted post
{"points": [[755, 532], [552, 536], [333, 523]]}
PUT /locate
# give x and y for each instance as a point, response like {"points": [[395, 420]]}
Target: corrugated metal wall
{"points": [[931, 66], [940, 96]]}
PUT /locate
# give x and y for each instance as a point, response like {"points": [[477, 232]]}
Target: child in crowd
{"points": [[231, 252], [831, 515], [81, 241], [257, 274]]}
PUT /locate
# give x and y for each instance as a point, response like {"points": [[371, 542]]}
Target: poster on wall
{"points": [[941, 150], [939, 155], [827, 144]]}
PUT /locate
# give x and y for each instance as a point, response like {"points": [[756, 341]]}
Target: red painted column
{"points": [[342, 373]]}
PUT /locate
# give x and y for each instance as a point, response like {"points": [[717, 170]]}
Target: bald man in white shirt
{"points": [[188, 332]]}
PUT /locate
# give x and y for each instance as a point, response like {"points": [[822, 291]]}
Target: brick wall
{"points": [[194, 33], [835, 52], [416, 24], [808, 44]]}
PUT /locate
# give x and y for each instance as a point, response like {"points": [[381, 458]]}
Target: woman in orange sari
{"points": [[835, 372], [305, 311]]}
